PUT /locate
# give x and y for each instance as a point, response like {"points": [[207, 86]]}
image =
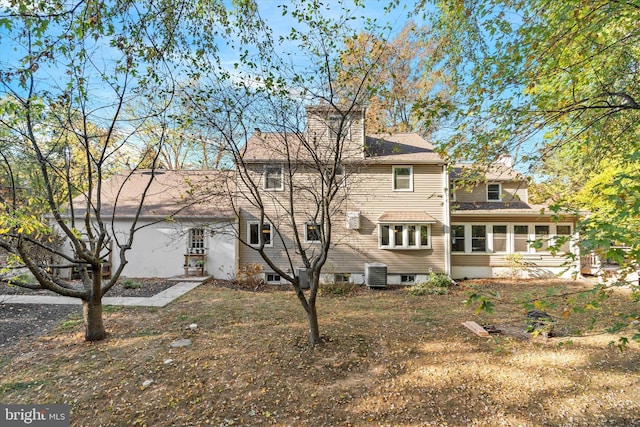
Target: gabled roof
{"points": [[400, 148], [380, 148], [172, 193], [496, 172]]}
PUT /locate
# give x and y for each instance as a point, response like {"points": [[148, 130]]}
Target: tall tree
{"points": [[261, 115], [69, 86], [400, 90], [550, 82]]}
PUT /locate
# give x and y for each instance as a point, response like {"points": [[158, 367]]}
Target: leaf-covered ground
{"points": [[389, 359]]}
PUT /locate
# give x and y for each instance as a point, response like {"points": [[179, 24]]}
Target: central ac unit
{"points": [[303, 276], [375, 275]]}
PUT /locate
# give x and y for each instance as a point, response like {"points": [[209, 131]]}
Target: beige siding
{"points": [[491, 260], [368, 191], [510, 191]]}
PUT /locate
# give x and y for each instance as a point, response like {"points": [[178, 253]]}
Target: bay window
{"points": [[405, 236]]}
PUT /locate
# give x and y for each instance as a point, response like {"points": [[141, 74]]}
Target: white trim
{"points": [[447, 224], [264, 177], [306, 232], [417, 234], [267, 245], [499, 191], [510, 247], [393, 177]]}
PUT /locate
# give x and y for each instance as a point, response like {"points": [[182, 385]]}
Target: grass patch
{"points": [[388, 358], [67, 325]]}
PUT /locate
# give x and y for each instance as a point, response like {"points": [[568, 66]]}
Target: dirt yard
{"points": [[389, 359]]}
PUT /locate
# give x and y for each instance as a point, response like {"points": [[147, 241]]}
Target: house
{"points": [[401, 208], [186, 225], [400, 211]]}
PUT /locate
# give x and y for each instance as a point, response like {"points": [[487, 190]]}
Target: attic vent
{"points": [[353, 220], [375, 275]]}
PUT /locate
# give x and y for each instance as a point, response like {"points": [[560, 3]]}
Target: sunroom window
{"points": [[478, 238]]}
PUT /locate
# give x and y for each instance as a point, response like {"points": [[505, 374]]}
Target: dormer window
{"points": [[494, 192], [334, 129]]}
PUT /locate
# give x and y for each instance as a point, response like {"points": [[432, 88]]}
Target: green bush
{"points": [[131, 284], [436, 284]]}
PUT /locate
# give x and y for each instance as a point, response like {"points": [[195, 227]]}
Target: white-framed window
{"points": [[564, 231], [334, 129], [196, 244], [272, 278], [339, 176], [403, 178], [508, 237], [457, 238], [273, 178], [494, 192], [312, 232], [255, 237], [407, 278], [499, 238], [405, 236], [478, 238]]}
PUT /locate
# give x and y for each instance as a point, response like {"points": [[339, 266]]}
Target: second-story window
{"points": [[494, 192], [273, 178], [403, 178]]}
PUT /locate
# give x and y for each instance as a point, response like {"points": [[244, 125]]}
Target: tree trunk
{"points": [[314, 330], [93, 325]]}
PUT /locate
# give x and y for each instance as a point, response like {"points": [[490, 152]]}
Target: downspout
{"points": [[447, 220]]}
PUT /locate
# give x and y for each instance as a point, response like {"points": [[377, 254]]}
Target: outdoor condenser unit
{"points": [[302, 273], [375, 275]]}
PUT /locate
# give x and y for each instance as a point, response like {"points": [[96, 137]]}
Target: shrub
{"points": [[131, 284], [250, 276], [339, 289], [436, 284]]}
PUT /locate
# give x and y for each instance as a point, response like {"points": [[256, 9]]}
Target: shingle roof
{"points": [[497, 209], [406, 217], [401, 147], [496, 172], [381, 148], [172, 193]]}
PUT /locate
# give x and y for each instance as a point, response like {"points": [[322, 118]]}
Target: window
{"points": [[273, 278], [499, 233], [339, 176], [478, 238], [405, 236], [494, 192], [342, 278], [403, 178], [334, 129], [452, 191], [273, 178], [457, 238], [196, 241], [520, 238], [542, 237], [254, 234], [564, 232], [407, 278], [312, 232]]}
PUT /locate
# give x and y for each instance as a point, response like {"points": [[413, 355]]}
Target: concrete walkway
{"points": [[161, 299]]}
